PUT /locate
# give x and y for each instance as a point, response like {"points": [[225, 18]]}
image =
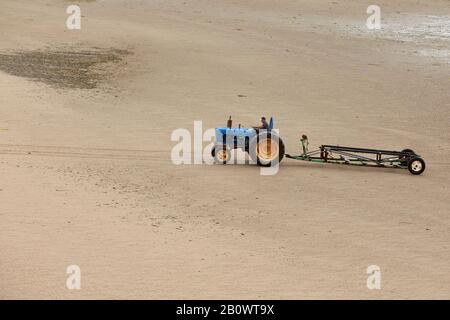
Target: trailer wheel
{"points": [[408, 151], [221, 154], [404, 159], [416, 165]]}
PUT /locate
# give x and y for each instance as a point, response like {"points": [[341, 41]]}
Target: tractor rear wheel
{"points": [[267, 149]]}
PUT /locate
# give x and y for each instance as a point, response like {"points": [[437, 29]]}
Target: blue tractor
{"points": [[264, 146]]}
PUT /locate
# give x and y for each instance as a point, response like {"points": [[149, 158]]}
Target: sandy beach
{"points": [[86, 118]]}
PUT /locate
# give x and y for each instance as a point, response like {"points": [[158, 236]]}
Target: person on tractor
{"points": [[264, 125]]}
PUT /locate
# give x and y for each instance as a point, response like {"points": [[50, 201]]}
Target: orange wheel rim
{"points": [[267, 150], [222, 155]]}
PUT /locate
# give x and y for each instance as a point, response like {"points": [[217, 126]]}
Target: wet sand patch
{"points": [[63, 68]]}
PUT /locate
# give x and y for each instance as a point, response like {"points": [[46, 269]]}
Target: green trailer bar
{"points": [[405, 159]]}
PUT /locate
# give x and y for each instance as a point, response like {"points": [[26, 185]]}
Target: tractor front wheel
{"points": [[221, 154]]}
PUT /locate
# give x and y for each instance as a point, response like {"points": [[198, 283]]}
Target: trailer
{"points": [[405, 159]]}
